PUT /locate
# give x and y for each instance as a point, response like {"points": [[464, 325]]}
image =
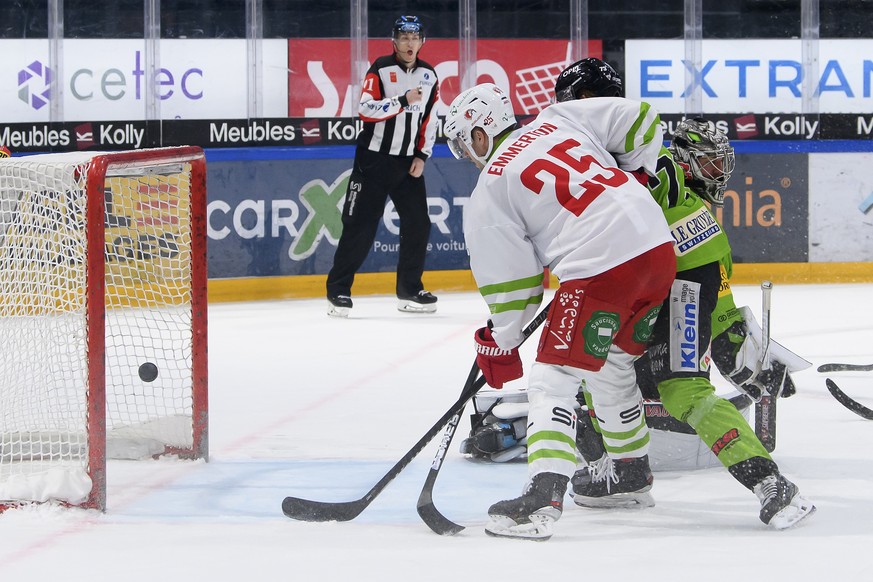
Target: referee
{"points": [[397, 102]]}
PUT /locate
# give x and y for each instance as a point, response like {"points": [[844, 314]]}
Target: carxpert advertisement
{"points": [[284, 217]]}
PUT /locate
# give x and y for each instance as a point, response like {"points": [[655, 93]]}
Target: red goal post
{"points": [[102, 270]]}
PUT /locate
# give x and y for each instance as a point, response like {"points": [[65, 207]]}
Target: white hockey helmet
{"points": [[485, 106]]}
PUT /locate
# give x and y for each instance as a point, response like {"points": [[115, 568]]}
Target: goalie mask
{"points": [[708, 155], [589, 77], [485, 106]]}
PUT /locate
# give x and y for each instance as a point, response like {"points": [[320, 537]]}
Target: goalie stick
{"points": [[845, 368], [428, 512], [846, 401], [310, 510], [765, 409]]}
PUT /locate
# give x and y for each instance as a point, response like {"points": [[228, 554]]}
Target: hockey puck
{"points": [[148, 372]]}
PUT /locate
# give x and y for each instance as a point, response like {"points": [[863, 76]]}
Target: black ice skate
{"points": [[421, 302], [607, 483], [530, 516], [339, 305], [782, 506]]}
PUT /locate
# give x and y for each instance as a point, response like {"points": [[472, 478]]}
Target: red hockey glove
{"points": [[497, 365]]}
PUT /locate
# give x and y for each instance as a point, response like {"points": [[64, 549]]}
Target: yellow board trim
{"points": [[309, 286]]}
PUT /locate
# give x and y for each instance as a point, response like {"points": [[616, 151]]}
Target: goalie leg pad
{"points": [[717, 421]]}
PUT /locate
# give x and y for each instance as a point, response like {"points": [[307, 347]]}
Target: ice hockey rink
{"points": [[302, 404]]}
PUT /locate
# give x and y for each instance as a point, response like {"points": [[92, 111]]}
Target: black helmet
{"points": [[407, 24], [590, 74], [707, 153]]}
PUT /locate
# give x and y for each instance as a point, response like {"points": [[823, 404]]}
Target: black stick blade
{"points": [[844, 399], [845, 368], [437, 522], [308, 510]]}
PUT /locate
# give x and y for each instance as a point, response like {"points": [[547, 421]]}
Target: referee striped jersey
{"points": [[389, 127]]}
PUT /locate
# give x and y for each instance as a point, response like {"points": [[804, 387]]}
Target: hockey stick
{"points": [[845, 368], [846, 401], [309, 510], [765, 409], [428, 512]]}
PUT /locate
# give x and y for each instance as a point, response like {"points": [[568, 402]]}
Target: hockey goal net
{"points": [[102, 318]]}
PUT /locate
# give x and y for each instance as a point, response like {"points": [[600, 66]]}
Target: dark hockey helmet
{"points": [[407, 24], [708, 156], [592, 75]]}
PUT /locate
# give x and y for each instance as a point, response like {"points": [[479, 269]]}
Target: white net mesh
{"points": [[536, 86], [44, 317]]}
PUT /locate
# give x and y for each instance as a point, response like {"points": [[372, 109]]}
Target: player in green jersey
{"points": [[695, 168]]}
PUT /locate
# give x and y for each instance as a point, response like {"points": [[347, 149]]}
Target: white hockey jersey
{"points": [[552, 195]]}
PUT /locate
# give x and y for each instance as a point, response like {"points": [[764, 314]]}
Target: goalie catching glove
{"points": [[738, 353], [497, 364]]}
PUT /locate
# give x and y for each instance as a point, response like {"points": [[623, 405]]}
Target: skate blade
{"points": [[635, 500], [793, 514], [413, 307], [538, 530], [334, 311]]}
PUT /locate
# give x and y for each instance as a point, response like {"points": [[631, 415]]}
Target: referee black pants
{"points": [[374, 178]]}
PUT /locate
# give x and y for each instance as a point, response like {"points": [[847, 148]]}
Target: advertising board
{"points": [[840, 207], [284, 217], [320, 86], [752, 76], [105, 79]]}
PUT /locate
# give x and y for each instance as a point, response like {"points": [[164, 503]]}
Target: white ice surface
{"points": [[305, 405]]}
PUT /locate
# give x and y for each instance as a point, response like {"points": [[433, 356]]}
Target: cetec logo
{"points": [[111, 84], [33, 84]]}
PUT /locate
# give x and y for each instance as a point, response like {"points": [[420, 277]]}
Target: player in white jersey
{"points": [[551, 195]]}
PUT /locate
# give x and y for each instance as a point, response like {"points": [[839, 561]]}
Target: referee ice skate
{"points": [[399, 93]]}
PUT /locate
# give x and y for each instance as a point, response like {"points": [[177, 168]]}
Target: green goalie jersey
{"points": [[698, 238]]}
